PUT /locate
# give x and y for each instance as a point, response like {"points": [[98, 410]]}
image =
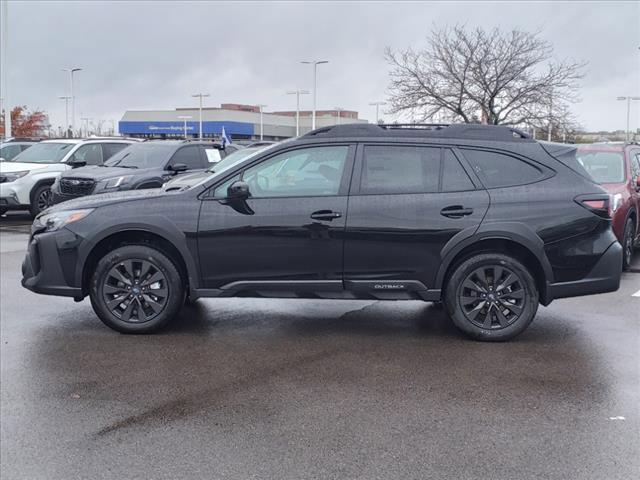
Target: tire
{"points": [[41, 200], [126, 273], [510, 299], [3, 210], [627, 244]]}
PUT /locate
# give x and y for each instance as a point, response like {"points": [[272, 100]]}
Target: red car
{"points": [[616, 166]]}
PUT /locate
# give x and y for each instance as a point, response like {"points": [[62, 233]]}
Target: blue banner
{"points": [[177, 128]]}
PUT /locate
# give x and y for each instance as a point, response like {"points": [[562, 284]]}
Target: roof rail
{"points": [[435, 130]]}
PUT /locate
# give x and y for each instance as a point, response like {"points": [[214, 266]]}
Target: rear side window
{"points": [[454, 178], [190, 156], [400, 169], [499, 170], [110, 149]]}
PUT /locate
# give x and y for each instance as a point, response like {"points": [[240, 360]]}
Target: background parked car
{"points": [[141, 166], [9, 149], [616, 166], [25, 182]]}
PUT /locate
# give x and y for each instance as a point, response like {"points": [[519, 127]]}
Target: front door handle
{"points": [[327, 215], [456, 211]]}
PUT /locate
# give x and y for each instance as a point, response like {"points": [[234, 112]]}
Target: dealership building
{"points": [[240, 122]]}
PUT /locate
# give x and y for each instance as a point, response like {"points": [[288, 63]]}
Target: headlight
{"points": [[116, 182], [616, 201], [13, 176], [56, 220]]}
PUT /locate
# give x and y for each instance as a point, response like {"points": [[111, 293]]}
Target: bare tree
{"points": [[488, 76]]}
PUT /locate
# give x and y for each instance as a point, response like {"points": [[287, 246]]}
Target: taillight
{"points": [[598, 204]]}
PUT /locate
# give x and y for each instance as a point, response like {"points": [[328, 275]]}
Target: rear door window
{"points": [[454, 177], [189, 156], [110, 149], [500, 170], [390, 169]]}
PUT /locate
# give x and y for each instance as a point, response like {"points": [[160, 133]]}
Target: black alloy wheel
{"points": [[492, 297], [135, 290]]}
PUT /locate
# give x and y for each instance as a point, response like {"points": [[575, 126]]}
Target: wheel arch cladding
{"points": [[496, 244], [138, 236], [38, 184]]}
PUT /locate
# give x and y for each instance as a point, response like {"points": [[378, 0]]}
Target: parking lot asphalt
{"points": [[274, 389]]}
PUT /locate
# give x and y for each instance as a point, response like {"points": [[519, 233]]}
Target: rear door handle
{"points": [[456, 211], [327, 215]]}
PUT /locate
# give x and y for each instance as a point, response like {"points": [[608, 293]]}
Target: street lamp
{"points": [[86, 121], [73, 98], [200, 96], [315, 64], [297, 93], [66, 112], [261, 106], [377, 105], [185, 118], [4, 55], [339, 117], [628, 99]]}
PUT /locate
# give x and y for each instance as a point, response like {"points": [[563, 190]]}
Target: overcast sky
{"points": [[154, 55]]}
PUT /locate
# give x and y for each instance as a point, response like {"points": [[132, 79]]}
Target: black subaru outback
{"points": [[482, 218]]}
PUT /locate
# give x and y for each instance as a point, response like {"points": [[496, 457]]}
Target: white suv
{"points": [[25, 182]]}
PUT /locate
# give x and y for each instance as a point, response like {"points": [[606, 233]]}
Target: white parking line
{"points": [[637, 294]]}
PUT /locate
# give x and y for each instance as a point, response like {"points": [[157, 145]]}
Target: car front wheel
{"points": [[42, 199], [491, 297], [627, 246], [136, 289]]}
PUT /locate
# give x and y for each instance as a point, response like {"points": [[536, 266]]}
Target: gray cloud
{"points": [[147, 55]]}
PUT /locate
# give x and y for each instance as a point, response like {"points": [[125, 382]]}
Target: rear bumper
{"points": [[604, 277], [42, 268]]}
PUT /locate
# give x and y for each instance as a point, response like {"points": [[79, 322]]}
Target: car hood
{"points": [[103, 173], [182, 181], [8, 167], [95, 201]]}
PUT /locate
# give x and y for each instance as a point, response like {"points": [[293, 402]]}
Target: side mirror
{"points": [[2, 159], [76, 163], [177, 167], [238, 191], [237, 195]]}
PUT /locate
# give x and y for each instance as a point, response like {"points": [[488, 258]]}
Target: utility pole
{"points": [[297, 93], [185, 118], [4, 67], [550, 117], [261, 106], [86, 125], [315, 64], [628, 99], [73, 98], [200, 96], [377, 105], [66, 112]]}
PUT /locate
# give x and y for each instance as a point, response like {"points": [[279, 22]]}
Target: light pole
{"points": [[297, 93], [628, 99], [4, 53], [86, 121], [185, 118], [339, 117], [200, 96], [315, 64], [261, 106], [66, 112], [73, 98], [377, 105]]}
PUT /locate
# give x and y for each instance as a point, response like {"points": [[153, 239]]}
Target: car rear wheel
{"points": [[491, 297], [136, 289], [627, 243], [3, 210], [42, 199]]}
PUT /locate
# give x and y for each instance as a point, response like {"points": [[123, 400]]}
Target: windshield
{"points": [[233, 158], [44, 153], [604, 166], [141, 155]]}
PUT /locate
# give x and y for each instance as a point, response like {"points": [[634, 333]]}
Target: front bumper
{"points": [[15, 194], [49, 266], [11, 203], [604, 277]]}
